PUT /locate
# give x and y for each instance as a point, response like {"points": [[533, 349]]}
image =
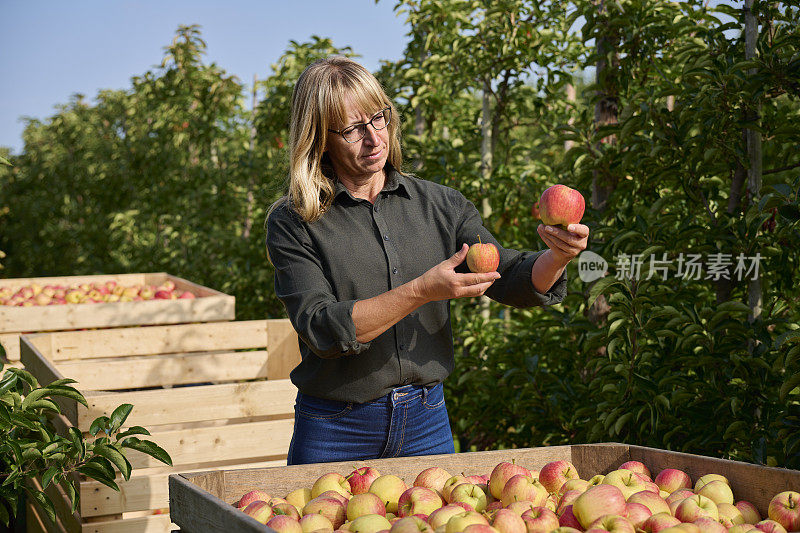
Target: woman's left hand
{"points": [[565, 244]]}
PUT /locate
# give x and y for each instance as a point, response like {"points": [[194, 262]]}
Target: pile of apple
{"points": [[89, 293], [513, 499]]}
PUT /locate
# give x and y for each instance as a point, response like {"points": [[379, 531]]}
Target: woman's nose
{"points": [[372, 135]]}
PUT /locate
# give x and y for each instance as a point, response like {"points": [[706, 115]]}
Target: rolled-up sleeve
{"points": [[322, 322], [515, 287]]}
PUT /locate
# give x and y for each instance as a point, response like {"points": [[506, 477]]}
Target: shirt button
{"points": [[385, 237], [394, 271], [402, 347], [375, 208]]}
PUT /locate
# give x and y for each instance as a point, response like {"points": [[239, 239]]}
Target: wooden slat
{"points": [[283, 348], [193, 404], [196, 511], [142, 492], [122, 279], [146, 524], [151, 340], [160, 370], [36, 363], [248, 442], [10, 343], [66, 520]]}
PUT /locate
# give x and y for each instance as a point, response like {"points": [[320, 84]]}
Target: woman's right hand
{"points": [[442, 282]]}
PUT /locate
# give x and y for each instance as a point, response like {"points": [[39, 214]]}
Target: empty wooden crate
{"points": [[208, 306], [213, 395]]}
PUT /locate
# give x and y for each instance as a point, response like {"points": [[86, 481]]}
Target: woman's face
{"points": [[362, 159]]}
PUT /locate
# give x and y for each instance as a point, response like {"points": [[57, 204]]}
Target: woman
{"points": [[366, 260]]}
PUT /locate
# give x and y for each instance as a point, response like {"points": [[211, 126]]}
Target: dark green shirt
{"points": [[358, 250]]}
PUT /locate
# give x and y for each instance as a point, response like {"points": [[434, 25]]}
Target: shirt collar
{"points": [[396, 183]]}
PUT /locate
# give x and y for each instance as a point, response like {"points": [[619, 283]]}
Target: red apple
{"points": [[330, 508], [500, 475], [361, 478], [459, 522], [784, 508], [709, 525], [433, 478], [418, 500], [598, 501], [555, 473], [718, 491], [658, 522], [410, 524], [253, 496], [749, 512], [693, 507], [284, 524], [770, 526], [540, 520], [483, 257], [364, 504], [315, 521], [568, 519], [524, 488], [186, 295], [671, 480], [440, 516], [507, 521], [259, 510], [636, 466], [637, 513], [612, 523], [560, 205]]}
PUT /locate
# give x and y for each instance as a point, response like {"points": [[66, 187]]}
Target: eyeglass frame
{"points": [[388, 121]]}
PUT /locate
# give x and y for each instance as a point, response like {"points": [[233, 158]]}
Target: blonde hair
{"points": [[318, 102]]}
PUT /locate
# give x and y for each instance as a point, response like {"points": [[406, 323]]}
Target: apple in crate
{"points": [[507, 521], [441, 516], [331, 508], [708, 478], [450, 484], [658, 522], [636, 466], [708, 525], [388, 488], [770, 526], [717, 491], [626, 481], [432, 478], [500, 475], [412, 524], [598, 501], [637, 513], [693, 507], [784, 508], [651, 500], [749, 512], [459, 522], [259, 510], [361, 478], [540, 520], [364, 504], [370, 523], [284, 524], [568, 519], [331, 481], [612, 523], [470, 494], [314, 521], [253, 496], [418, 501], [555, 473], [671, 479], [524, 488]]}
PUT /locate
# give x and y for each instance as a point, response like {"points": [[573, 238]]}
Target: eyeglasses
{"points": [[356, 132]]}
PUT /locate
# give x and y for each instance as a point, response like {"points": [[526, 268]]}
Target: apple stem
{"points": [[479, 239]]}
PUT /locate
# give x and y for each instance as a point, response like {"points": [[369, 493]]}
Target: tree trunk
{"points": [[248, 217], [486, 166], [606, 111], [754, 297]]}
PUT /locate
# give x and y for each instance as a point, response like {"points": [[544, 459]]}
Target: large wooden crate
{"points": [[209, 306], [202, 502], [214, 395]]}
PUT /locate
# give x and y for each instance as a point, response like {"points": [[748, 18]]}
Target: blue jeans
{"points": [[410, 420]]}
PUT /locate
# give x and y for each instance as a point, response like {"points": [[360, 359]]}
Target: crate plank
{"points": [[238, 441], [172, 369], [193, 404], [153, 340], [142, 491]]}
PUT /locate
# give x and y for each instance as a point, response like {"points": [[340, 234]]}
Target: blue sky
{"points": [[52, 49]]}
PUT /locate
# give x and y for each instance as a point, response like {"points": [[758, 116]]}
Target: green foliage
{"points": [[32, 449], [174, 174]]}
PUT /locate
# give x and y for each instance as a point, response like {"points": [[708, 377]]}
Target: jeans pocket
{"points": [[320, 409], [435, 397]]}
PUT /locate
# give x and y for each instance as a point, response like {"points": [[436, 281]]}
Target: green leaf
{"points": [[149, 448], [48, 476], [98, 474], [788, 386], [600, 287], [99, 424], [133, 430], [119, 416], [44, 502], [116, 458]]}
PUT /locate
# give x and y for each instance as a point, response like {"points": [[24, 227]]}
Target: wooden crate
{"points": [[202, 502], [210, 306], [214, 395]]}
